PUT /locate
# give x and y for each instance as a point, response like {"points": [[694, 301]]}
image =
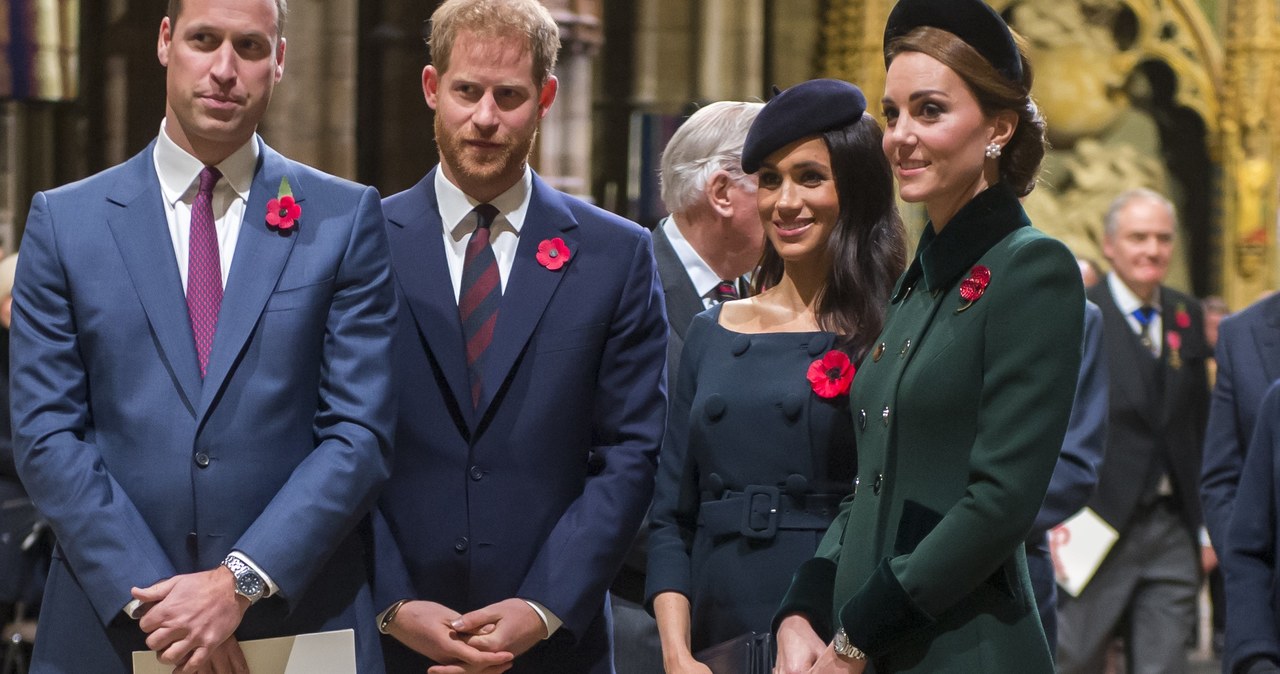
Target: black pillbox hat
{"points": [[806, 109], [973, 21]]}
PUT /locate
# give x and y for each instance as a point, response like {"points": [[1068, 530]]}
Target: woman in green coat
{"points": [[960, 409]]}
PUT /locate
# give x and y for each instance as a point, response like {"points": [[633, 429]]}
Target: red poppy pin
{"points": [[1181, 318], [553, 254], [1173, 339], [972, 288], [283, 212], [832, 374]]}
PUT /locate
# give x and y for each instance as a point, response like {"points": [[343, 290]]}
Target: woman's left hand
{"points": [[830, 663]]}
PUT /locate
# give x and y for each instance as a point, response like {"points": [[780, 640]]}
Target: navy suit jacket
{"points": [[144, 469], [1253, 546], [535, 493], [1248, 357]]}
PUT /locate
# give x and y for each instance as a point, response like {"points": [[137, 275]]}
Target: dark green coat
{"points": [[959, 419]]}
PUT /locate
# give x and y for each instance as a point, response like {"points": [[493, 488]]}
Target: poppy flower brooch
{"points": [[972, 288], [832, 374], [283, 212]]}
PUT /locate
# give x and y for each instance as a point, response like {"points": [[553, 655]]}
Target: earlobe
{"points": [[162, 42], [547, 96]]}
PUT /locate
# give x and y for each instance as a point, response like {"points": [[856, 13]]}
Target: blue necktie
{"points": [[1144, 315]]}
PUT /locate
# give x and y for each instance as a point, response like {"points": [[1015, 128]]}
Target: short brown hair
{"points": [[1020, 159], [496, 18], [282, 8]]}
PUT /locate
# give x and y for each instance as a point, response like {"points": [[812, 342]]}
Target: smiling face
{"points": [[797, 200], [937, 135], [487, 111], [1141, 245], [223, 59]]}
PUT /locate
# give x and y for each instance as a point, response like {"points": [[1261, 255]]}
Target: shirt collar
{"points": [[178, 169], [700, 273], [455, 205], [1126, 301]]}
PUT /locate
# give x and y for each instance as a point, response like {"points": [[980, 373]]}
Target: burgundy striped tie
{"points": [[204, 269], [479, 297]]}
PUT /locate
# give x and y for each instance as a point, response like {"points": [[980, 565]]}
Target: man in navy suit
{"points": [[1248, 358], [202, 397], [531, 355]]}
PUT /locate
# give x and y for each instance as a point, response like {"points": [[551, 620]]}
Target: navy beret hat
{"points": [[807, 109], [973, 21]]}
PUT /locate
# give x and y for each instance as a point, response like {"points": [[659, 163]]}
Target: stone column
{"points": [[563, 155]]}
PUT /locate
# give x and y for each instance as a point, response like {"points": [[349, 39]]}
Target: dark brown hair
{"points": [[867, 247], [1020, 159]]}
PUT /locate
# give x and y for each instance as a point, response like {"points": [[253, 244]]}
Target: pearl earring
{"points": [[993, 151]]}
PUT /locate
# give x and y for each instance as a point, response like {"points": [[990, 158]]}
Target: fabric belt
{"points": [[760, 512]]}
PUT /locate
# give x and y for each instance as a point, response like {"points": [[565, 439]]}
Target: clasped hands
{"points": [[190, 619], [801, 651], [484, 641]]}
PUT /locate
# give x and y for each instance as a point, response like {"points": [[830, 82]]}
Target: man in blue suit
{"points": [[202, 399], [531, 355], [1248, 358]]}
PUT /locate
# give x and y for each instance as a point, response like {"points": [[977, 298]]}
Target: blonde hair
{"points": [[527, 19]]}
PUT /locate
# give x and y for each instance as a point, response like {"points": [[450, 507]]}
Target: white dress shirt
{"points": [[705, 281], [1128, 303]]}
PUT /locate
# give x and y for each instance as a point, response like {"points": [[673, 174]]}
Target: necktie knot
{"points": [[726, 290], [485, 213], [208, 178], [1144, 315]]}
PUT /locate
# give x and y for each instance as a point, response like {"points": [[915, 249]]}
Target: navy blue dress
{"points": [[753, 467]]}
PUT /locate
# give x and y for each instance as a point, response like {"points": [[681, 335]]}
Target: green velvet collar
{"points": [[975, 228]]}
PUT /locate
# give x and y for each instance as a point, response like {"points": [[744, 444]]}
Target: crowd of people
{"points": [[251, 399]]}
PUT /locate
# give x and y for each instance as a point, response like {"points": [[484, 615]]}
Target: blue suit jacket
{"points": [[537, 493], [1248, 357], [1253, 546], [147, 471]]}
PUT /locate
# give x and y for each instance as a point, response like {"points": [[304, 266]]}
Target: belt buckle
{"points": [[771, 503]]}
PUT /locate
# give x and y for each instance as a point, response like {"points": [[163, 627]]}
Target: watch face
{"points": [[249, 585]]}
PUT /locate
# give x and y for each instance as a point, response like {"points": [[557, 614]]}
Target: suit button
{"points": [[476, 473], [202, 459], [461, 544], [879, 483]]}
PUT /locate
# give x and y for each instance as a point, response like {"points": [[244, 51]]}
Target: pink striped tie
{"points": [[204, 269], [479, 296]]}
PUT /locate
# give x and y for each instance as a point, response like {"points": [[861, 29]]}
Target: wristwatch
{"points": [[844, 648], [248, 583]]}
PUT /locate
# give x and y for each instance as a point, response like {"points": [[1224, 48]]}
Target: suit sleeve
{"points": [[1076, 473], [1249, 565], [334, 486], [585, 549], [1026, 391], [1223, 445], [104, 537], [674, 518]]}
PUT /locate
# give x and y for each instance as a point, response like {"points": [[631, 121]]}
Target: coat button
{"points": [[792, 405], [879, 483], [862, 419], [715, 406], [906, 346], [856, 481], [740, 345], [202, 459], [879, 352], [461, 544], [818, 345], [476, 473], [884, 415]]}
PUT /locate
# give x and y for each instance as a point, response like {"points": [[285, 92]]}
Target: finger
{"points": [[199, 658], [473, 621], [469, 654], [164, 637], [154, 592], [235, 655], [175, 654]]}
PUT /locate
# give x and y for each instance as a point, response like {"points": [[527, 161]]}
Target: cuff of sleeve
{"points": [[1204, 538], [810, 595], [272, 588], [549, 619], [134, 609], [881, 613]]}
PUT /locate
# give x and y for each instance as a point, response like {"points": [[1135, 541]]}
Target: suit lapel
{"points": [[255, 270], [1127, 375], [417, 249], [1174, 377], [141, 232], [529, 288], [683, 302]]}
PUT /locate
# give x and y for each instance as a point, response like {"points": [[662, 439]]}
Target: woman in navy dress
{"points": [[759, 446]]}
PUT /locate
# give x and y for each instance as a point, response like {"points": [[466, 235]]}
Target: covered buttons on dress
{"points": [[740, 345], [792, 405], [715, 406]]}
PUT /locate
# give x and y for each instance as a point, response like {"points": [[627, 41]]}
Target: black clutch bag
{"points": [[750, 653]]}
